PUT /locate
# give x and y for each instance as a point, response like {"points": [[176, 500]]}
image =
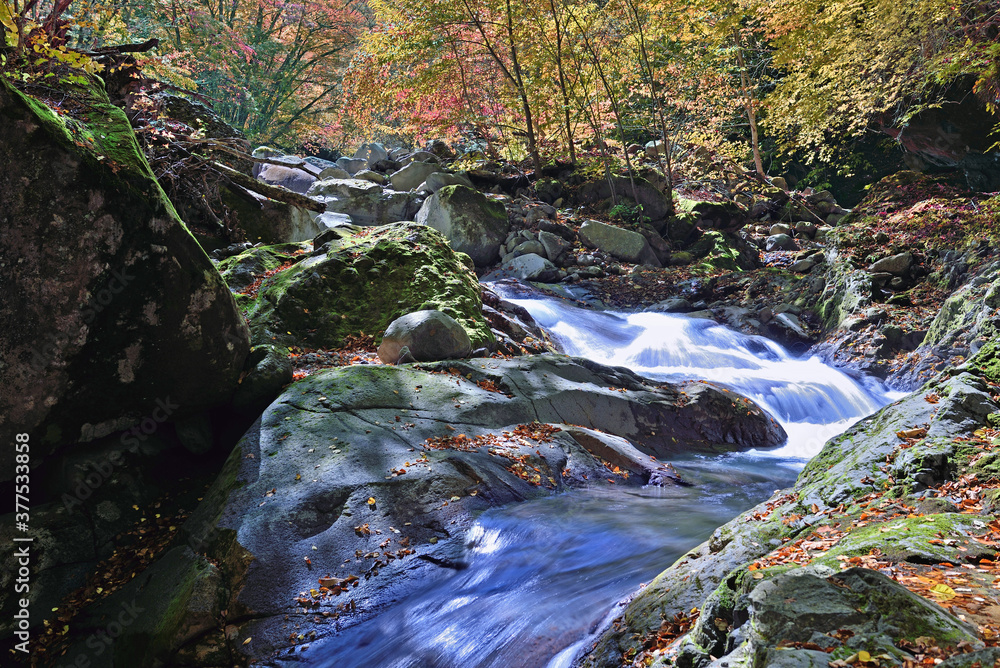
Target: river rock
{"points": [[269, 371], [673, 305], [360, 284], [726, 216], [239, 271], [109, 303], [437, 180], [897, 265], [371, 154], [369, 175], [654, 203], [780, 242], [412, 175], [529, 246], [428, 335], [472, 223], [333, 173], [329, 466], [621, 243], [530, 267], [365, 202], [268, 221], [292, 178], [352, 165], [554, 245]]}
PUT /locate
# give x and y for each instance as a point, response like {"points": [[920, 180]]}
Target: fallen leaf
{"points": [[943, 592]]}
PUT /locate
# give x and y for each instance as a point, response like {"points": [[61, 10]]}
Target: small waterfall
{"points": [[811, 400]]}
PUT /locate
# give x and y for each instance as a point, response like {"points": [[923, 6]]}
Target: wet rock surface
{"points": [[353, 480]]}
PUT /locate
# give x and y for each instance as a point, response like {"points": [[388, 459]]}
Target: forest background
{"points": [[759, 82]]}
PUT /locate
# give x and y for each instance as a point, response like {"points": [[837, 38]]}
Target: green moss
{"points": [[720, 251], [907, 539], [363, 284], [987, 361]]}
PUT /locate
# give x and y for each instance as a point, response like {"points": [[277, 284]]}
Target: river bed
{"points": [[540, 576]]}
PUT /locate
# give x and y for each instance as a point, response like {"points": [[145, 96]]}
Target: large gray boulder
{"points": [[292, 178], [428, 335], [109, 304], [365, 202], [352, 165], [530, 267], [897, 265], [554, 245], [621, 243], [358, 461], [371, 154], [412, 175], [474, 224]]}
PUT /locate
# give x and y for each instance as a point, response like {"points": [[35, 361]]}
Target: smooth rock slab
{"points": [[342, 462]]}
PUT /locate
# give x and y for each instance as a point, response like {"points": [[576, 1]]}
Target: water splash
{"points": [[811, 400]]}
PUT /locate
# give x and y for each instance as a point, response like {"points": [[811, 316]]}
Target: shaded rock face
{"points": [[342, 462], [654, 203], [955, 135], [359, 283], [270, 221], [109, 302], [472, 223], [427, 336], [725, 250]]}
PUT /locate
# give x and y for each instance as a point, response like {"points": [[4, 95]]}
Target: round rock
{"points": [[429, 336]]}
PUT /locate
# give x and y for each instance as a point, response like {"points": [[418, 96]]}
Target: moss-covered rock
{"points": [[109, 303], [843, 613], [364, 282], [724, 250]]}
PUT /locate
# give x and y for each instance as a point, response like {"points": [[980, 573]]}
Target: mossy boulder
{"points": [[109, 303], [843, 613], [240, 271], [360, 285], [724, 250]]}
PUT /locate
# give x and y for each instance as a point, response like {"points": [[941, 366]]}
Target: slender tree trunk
{"points": [[616, 109], [562, 81], [522, 92], [748, 103], [665, 158]]}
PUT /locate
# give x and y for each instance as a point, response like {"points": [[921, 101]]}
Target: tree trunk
{"points": [[748, 103]]}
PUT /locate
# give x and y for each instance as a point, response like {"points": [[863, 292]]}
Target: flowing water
{"points": [[542, 574]]}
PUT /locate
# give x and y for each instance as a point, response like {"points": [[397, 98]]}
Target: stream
{"points": [[543, 574]]}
